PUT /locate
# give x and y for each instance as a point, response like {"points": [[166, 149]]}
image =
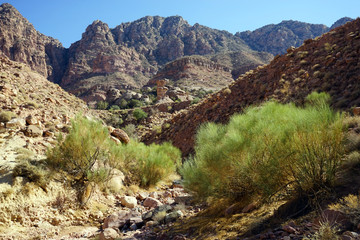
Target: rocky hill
{"points": [[329, 63], [33, 110]]}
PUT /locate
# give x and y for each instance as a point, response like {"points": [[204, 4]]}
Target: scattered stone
{"points": [[128, 201], [151, 202], [154, 195], [117, 141], [15, 123], [109, 234], [249, 208], [289, 229], [116, 183], [33, 131], [141, 195], [30, 120], [48, 133], [121, 135]]}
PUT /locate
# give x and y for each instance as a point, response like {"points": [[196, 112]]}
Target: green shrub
{"points": [[84, 154], [266, 148], [146, 165], [139, 114], [114, 108], [102, 105], [6, 116], [130, 129], [123, 104], [133, 103]]}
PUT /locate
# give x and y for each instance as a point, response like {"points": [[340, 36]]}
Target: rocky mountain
{"points": [[341, 21], [276, 38], [131, 53], [125, 57], [21, 42], [330, 63]]}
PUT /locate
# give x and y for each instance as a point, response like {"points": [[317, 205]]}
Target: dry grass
{"points": [[325, 232]]}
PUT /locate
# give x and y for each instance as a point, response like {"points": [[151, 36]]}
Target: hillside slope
{"points": [[33, 111], [330, 63]]}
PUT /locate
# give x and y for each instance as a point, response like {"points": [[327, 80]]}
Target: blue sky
{"points": [[66, 20]]}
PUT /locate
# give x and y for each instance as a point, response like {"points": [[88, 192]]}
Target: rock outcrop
{"points": [[22, 43], [328, 64], [276, 38]]}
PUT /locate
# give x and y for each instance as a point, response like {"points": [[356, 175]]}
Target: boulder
{"points": [[121, 135], [128, 201], [117, 220], [33, 131], [142, 195], [30, 120], [151, 202], [116, 183], [108, 234], [15, 123]]}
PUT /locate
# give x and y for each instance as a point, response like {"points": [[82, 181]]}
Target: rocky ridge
{"points": [[277, 38], [329, 63]]}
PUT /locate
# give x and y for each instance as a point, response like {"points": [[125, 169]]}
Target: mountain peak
{"points": [[340, 22]]}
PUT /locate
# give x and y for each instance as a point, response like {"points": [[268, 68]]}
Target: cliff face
{"points": [[22, 43], [329, 64], [130, 54], [97, 56], [276, 38]]}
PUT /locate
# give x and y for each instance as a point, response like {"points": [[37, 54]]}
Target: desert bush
{"points": [[350, 205], [102, 105], [133, 103], [6, 116], [146, 165], [139, 114], [130, 129], [114, 120], [114, 108], [84, 154], [326, 231], [123, 104], [266, 148]]}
